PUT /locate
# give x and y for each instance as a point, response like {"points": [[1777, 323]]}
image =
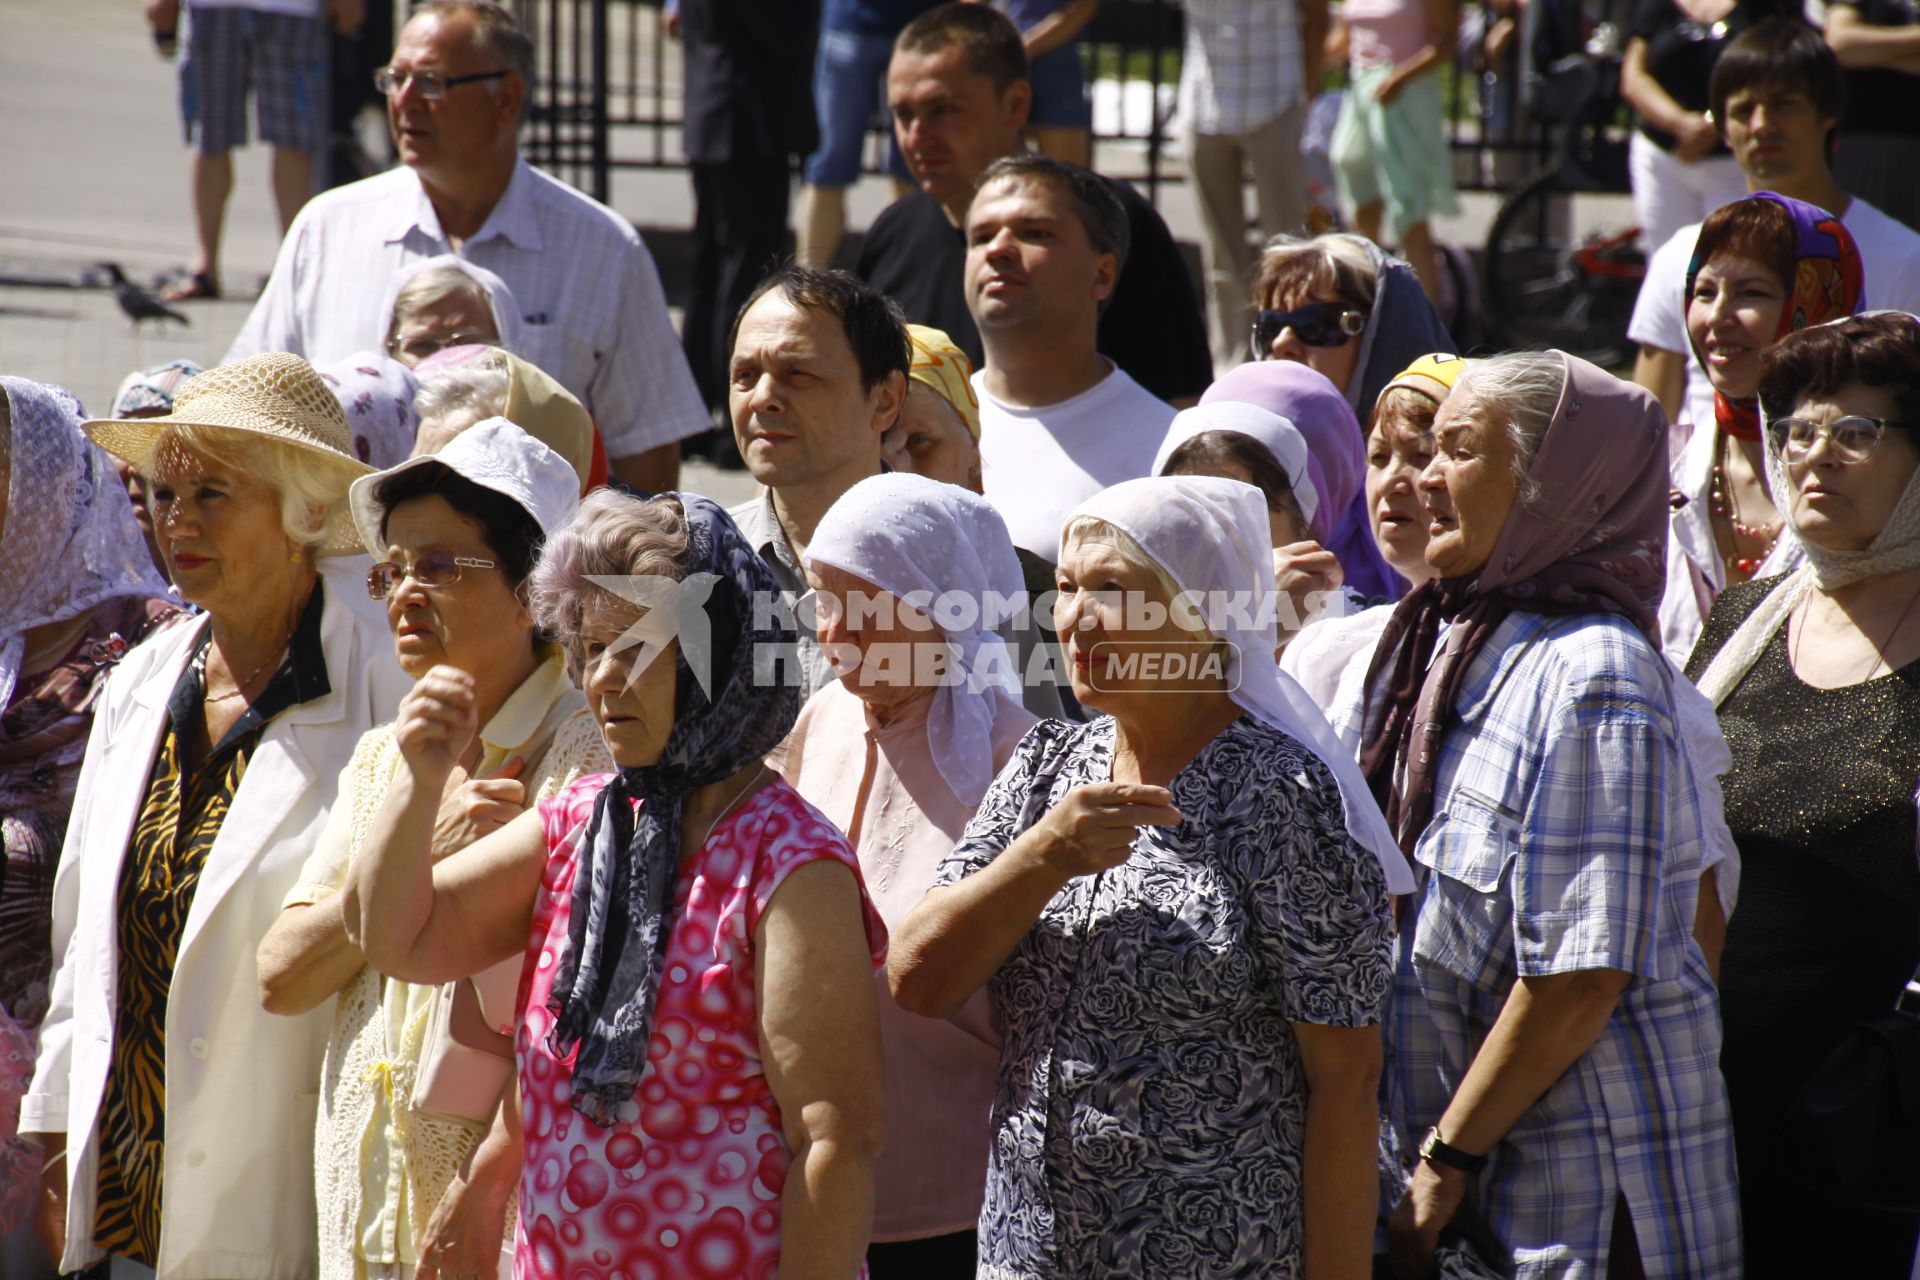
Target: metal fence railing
{"points": [[609, 96]]}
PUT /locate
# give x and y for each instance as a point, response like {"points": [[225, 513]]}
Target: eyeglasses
{"points": [[434, 569], [1319, 324], [431, 84], [422, 346], [1853, 437]]}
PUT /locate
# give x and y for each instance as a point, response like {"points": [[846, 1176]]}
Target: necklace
{"points": [[1725, 508], [1879, 654], [738, 796], [239, 686]]}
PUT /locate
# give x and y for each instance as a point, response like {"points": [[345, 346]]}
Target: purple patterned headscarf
{"points": [[376, 393], [1336, 461]]}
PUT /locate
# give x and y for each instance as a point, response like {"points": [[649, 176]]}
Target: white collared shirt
{"points": [[595, 314]]}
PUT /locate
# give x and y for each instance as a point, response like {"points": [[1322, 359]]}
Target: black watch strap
{"points": [[1438, 1152]]}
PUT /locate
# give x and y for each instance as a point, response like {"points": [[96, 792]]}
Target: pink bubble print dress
{"points": [[687, 1186]]}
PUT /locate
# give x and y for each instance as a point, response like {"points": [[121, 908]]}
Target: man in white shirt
{"points": [[594, 314], [1058, 421], [1778, 94]]}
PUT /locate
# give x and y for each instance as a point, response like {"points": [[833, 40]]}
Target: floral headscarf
{"points": [[376, 394], [608, 979], [70, 540], [1828, 283], [148, 389]]}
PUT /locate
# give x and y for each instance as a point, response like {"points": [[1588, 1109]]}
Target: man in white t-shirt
{"points": [[1058, 421], [278, 53], [1778, 93]]}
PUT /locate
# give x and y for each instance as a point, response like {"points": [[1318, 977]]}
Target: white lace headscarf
{"points": [[1211, 536], [942, 549], [69, 540], [1896, 547]]}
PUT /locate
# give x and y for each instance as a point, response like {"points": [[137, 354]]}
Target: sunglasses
{"points": [[434, 569], [1853, 437], [1318, 324]]}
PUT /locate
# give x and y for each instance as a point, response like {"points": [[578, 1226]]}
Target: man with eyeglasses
{"points": [[279, 50], [592, 310]]}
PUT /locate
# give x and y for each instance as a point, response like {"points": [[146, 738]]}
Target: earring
{"points": [[295, 557]]}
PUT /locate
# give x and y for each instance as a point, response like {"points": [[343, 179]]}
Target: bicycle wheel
{"points": [[1542, 290]]}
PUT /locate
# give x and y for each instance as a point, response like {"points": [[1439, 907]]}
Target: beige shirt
{"points": [[880, 785], [379, 1168]]}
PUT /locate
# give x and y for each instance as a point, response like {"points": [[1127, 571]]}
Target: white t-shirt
{"points": [[1889, 259], [1039, 464]]}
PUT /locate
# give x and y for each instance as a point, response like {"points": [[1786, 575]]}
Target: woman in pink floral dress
{"points": [[699, 1053]]}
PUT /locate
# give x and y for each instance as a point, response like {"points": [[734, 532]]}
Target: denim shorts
{"points": [[1060, 90], [282, 58], [848, 73]]}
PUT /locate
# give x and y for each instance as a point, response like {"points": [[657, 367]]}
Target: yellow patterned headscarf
{"points": [[1431, 376], [944, 368]]}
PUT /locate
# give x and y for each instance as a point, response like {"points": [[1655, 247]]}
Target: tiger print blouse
{"points": [[186, 801]]}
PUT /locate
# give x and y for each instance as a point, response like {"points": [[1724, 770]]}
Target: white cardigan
{"points": [[238, 1190]]}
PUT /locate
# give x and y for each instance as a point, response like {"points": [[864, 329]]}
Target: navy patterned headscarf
{"points": [[608, 979]]}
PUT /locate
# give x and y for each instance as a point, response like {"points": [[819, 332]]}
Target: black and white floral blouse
{"points": [[1150, 1115]]}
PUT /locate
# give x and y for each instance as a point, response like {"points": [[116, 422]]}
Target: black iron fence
{"points": [[610, 93]]}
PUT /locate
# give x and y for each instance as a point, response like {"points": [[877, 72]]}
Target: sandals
{"points": [[198, 287]]}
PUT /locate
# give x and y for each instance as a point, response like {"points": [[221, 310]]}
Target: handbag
{"points": [[1854, 1128], [468, 1053]]}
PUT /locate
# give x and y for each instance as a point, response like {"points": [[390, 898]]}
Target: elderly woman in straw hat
{"points": [[184, 1111]]}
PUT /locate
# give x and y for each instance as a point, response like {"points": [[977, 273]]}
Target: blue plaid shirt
{"points": [[1563, 839]]}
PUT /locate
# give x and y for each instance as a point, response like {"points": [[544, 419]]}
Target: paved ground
{"points": [[93, 169]]}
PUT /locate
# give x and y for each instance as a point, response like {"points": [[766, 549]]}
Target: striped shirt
{"points": [[1564, 839], [1242, 64], [595, 314]]}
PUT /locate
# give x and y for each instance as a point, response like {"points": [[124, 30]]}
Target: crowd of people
{"points": [[1372, 811]]}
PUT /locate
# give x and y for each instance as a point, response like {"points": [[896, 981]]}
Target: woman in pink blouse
{"points": [[699, 1048], [900, 759]]}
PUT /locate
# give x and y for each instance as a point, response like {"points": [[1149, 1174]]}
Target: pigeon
{"points": [[136, 302]]}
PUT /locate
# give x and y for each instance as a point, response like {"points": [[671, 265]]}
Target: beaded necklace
{"points": [[1725, 508]]}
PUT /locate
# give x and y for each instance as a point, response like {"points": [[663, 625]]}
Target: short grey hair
{"points": [[478, 387], [1519, 391], [499, 33], [431, 286], [613, 534]]}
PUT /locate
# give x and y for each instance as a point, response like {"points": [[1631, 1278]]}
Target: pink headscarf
{"points": [[1336, 461], [1593, 540]]}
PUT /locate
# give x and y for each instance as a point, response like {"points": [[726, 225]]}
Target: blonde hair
{"points": [[1094, 529], [432, 285], [308, 494]]}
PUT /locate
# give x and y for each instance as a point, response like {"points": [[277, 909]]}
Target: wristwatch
{"points": [[1435, 1151]]}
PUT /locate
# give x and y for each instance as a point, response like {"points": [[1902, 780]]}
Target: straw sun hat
{"points": [[274, 396]]}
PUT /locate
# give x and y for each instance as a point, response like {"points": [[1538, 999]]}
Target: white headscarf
{"points": [[506, 310], [70, 540], [1895, 547], [1211, 537], [922, 540], [1274, 433]]}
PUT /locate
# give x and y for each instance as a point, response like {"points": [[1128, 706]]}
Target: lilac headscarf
{"points": [[376, 393], [1336, 461]]}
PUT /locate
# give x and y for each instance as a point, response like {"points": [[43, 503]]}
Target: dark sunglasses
{"points": [[1318, 324], [434, 569]]}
